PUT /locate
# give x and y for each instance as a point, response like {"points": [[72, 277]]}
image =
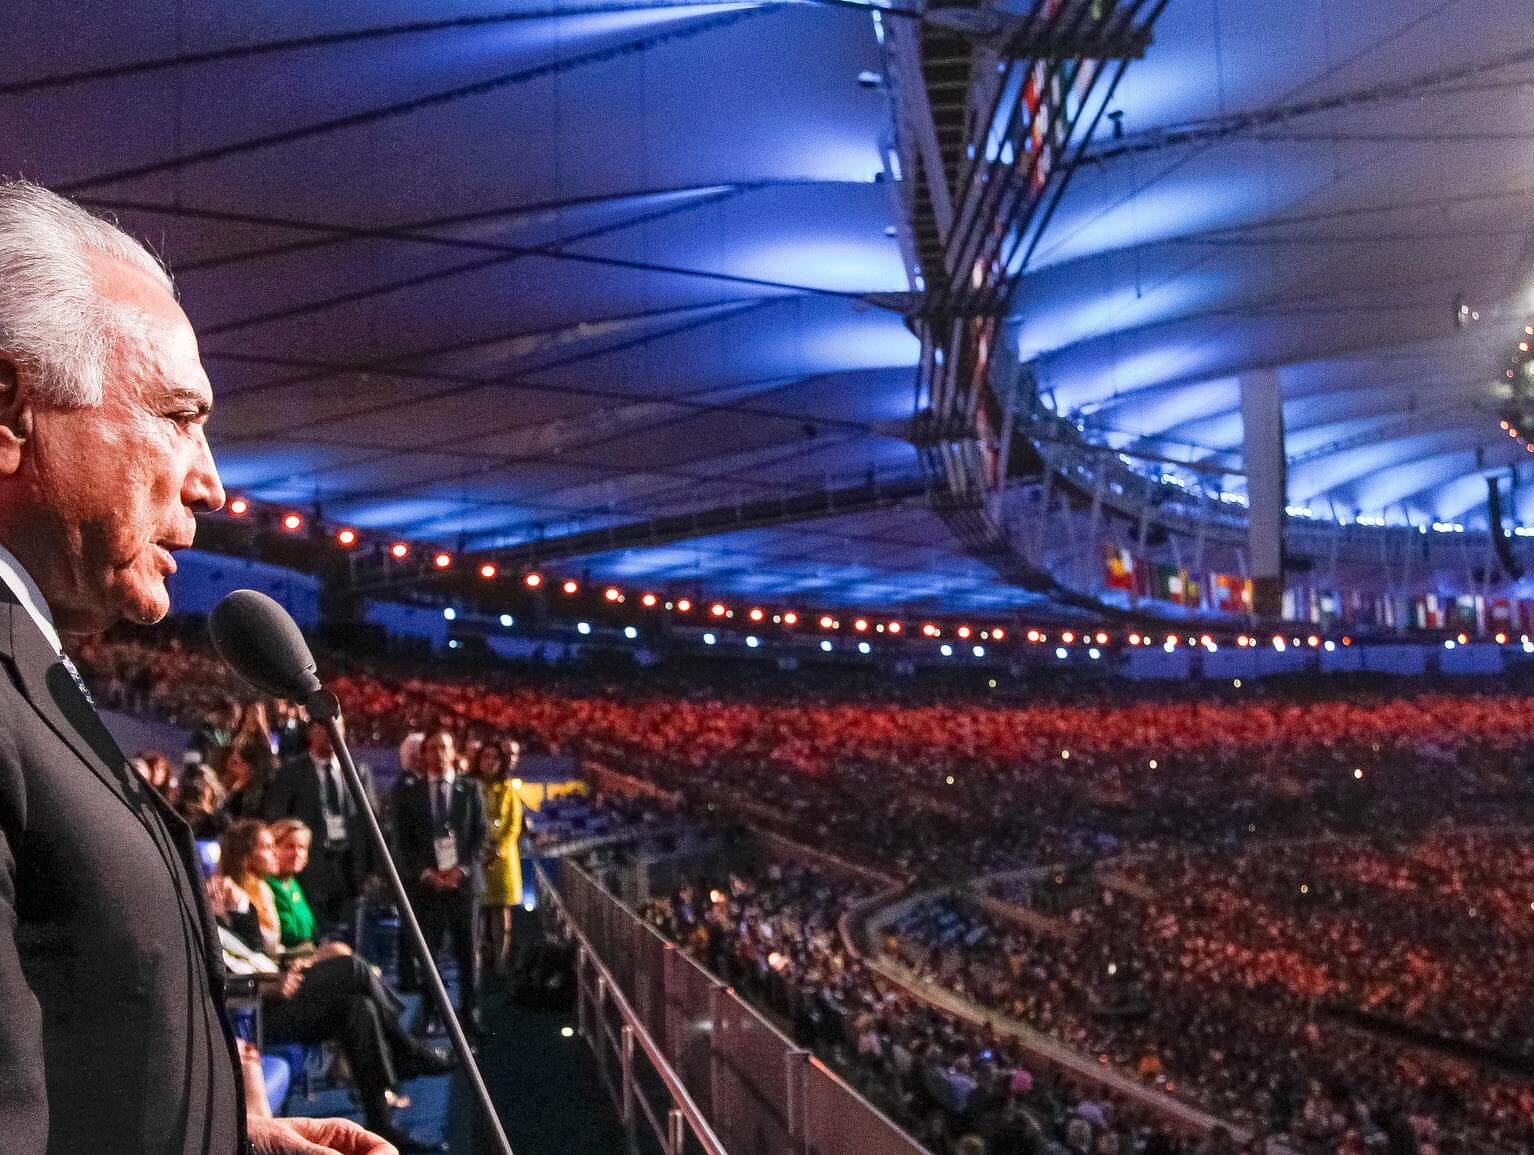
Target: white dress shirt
{"points": [[21, 584]]}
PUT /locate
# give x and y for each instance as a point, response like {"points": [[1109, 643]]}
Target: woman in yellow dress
{"points": [[495, 765]]}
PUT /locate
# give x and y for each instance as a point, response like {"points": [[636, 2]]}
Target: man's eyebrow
{"points": [[192, 399]]}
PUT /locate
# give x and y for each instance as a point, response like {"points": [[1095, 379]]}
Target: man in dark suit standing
{"points": [[311, 788], [112, 1028], [439, 835]]}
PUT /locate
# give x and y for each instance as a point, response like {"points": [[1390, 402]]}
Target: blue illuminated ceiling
{"points": [[511, 277], [1330, 239]]}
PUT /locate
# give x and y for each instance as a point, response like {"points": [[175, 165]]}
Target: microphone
{"points": [[261, 642]]}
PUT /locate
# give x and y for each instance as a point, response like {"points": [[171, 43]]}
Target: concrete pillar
{"points": [[1262, 427]]}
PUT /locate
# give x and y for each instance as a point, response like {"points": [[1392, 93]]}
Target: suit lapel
{"points": [[46, 684]]}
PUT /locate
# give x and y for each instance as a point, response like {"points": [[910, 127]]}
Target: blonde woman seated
{"points": [[295, 921]]}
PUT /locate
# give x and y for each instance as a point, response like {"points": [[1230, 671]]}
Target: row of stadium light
{"points": [[347, 537]]}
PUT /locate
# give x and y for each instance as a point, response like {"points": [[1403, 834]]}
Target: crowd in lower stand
{"points": [[1186, 1007], [1297, 912], [772, 932]]}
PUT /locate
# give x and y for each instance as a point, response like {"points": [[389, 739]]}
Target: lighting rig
{"points": [[524, 596]]}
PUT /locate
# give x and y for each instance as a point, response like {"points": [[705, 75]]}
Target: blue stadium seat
{"points": [[277, 1074]]}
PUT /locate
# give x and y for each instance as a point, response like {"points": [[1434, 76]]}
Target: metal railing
{"points": [[599, 1000], [759, 1093]]}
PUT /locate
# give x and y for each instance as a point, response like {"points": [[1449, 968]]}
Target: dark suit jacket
{"points": [[295, 793], [112, 1028], [413, 831]]}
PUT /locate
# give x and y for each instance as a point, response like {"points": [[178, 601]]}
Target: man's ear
{"points": [[15, 413]]}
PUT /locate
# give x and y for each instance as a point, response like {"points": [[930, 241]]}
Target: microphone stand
{"points": [[324, 707]]}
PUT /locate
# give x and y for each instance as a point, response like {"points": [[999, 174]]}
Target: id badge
{"points": [[446, 849], [335, 829]]}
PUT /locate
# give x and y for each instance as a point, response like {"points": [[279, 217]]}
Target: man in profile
{"points": [[112, 1028]]}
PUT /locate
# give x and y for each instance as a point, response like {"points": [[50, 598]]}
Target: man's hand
{"points": [[315, 1137], [291, 981]]}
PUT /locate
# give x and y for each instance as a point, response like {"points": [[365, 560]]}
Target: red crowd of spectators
{"points": [[1214, 974], [1222, 981]]}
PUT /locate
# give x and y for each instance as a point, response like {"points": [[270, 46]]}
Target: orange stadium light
{"points": [[346, 538], [648, 601], [683, 606], [790, 618], [239, 507], [613, 594], [756, 615], [488, 570], [718, 609], [1134, 639], [1067, 637], [570, 587], [533, 580], [860, 625], [292, 522], [997, 633], [964, 631], [931, 631], [827, 622], [894, 627], [442, 560], [399, 551]]}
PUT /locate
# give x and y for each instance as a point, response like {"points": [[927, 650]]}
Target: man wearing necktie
{"points": [[312, 788], [113, 1035], [439, 834]]}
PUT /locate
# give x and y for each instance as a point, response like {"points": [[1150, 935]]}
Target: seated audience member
{"points": [[295, 919], [324, 996], [290, 730], [156, 770], [199, 801], [247, 775], [216, 732]]}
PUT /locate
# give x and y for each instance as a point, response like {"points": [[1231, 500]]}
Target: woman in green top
{"points": [[295, 918]]}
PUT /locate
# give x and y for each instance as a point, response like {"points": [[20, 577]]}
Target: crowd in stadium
{"points": [[919, 784], [772, 932], [1208, 1018], [1204, 988], [1432, 932]]}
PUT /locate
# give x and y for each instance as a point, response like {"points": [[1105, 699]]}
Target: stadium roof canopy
{"points": [[477, 272]]}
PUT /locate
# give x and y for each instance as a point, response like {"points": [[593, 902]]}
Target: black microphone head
{"points": [[260, 642]]}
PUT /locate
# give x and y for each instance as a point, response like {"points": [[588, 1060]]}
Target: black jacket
{"points": [[413, 833], [112, 1028], [294, 792]]}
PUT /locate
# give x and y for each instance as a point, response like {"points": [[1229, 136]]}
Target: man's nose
{"points": [[203, 492]]}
